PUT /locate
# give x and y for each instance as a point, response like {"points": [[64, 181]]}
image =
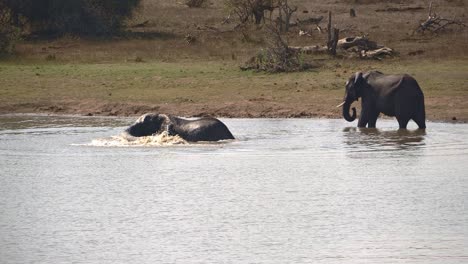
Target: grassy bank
{"points": [[214, 88], [100, 76]]}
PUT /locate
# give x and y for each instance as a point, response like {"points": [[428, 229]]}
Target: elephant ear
{"points": [[357, 77], [164, 118], [142, 118], [165, 122]]}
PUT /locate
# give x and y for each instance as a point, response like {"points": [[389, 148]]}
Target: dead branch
{"points": [[260, 6], [251, 10], [358, 47], [334, 41], [227, 19], [430, 9], [329, 31], [241, 8], [333, 35], [288, 11], [376, 54], [436, 24]]}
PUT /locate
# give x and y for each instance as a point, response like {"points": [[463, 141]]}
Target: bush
{"points": [[195, 3], [9, 33], [275, 61], [8, 37], [95, 17], [278, 57], [241, 8]]}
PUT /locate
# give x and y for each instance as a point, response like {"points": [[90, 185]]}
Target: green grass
{"points": [[155, 82], [213, 83]]}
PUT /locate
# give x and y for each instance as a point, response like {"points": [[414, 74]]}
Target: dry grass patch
{"points": [[215, 88]]}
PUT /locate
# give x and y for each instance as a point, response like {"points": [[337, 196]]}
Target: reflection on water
{"points": [[37, 121], [380, 140], [286, 191]]}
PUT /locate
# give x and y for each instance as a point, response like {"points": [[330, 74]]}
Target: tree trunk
{"points": [[333, 35], [329, 30], [336, 34]]}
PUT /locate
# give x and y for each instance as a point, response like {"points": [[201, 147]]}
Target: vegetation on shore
{"points": [[152, 67], [214, 88]]}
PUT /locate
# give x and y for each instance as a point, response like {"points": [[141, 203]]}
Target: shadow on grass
{"points": [[149, 35], [122, 35]]}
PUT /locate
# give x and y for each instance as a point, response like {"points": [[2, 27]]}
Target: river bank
{"points": [[154, 69], [213, 88]]}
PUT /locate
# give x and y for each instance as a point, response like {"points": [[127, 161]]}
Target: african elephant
{"points": [[392, 95], [202, 129]]}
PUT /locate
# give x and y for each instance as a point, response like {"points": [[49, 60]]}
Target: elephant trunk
{"points": [[346, 115]]}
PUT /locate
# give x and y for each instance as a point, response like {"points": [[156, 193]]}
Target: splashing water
{"points": [[162, 139]]}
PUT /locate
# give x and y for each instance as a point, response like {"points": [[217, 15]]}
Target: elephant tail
{"points": [[420, 117]]}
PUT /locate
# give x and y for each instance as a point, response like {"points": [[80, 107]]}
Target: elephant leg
{"points": [[362, 121], [373, 120], [365, 117], [420, 122], [403, 111], [403, 122], [420, 118]]}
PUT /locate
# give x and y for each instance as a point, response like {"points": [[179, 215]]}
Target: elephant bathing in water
{"points": [[202, 129], [392, 95]]}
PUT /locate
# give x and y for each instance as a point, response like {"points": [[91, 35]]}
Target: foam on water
{"points": [[162, 139]]}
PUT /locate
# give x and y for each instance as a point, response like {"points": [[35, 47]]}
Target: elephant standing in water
{"points": [[202, 129], [392, 95]]}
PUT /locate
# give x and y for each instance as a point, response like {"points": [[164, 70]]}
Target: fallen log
{"points": [[357, 47], [361, 42], [376, 54]]}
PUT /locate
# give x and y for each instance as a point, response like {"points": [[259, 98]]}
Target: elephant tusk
{"points": [[340, 105]]}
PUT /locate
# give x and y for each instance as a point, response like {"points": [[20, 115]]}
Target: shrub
{"points": [[8, 37], [241, 8], [277, 57], [195, 3], [95, 17], [9, 33]]}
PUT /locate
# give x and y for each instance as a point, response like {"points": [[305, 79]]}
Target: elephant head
{"points": [[353, 91], [148, 124]]}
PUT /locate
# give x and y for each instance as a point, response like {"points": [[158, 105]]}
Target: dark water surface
{"points": [[287, 191]]}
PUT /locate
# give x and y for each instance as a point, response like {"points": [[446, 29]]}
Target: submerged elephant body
{"points": [[202, 129], [392, 95]]}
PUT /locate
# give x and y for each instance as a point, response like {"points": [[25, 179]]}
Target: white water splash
{"points": [[162, 139]]}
